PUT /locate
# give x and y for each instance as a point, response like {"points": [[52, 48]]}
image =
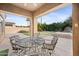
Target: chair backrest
{"points": [[13, 41], [53, 43], [55, 39], [14, 38]]}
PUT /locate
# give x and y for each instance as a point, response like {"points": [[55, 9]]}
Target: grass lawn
{"points": [[4, 52], [24, 32], [46, 33]]}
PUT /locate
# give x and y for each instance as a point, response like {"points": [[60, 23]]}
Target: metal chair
{"points": [[17, 48], [49, 48]]}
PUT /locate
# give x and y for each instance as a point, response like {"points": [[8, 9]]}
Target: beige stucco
{"points": [[11, 30], [75, 17], [34, 28]]}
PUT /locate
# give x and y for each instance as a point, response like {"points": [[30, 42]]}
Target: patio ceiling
{"points": [[37, 8], [29, 6], [30, 9]]}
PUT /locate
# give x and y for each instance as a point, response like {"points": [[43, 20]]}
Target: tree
{"points": [[55, 26], [66, 23], [39, 27]]}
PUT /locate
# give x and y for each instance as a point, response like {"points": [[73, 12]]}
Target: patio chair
{"points": [[14, 45], [49, 48], [20, 45], [17, 48]]}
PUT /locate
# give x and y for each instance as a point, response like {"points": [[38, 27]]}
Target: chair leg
{"points": [[45, 52], [20, 52], [52, 53]]}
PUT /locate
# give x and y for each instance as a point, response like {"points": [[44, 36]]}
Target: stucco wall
{"points": [[10, 29]]}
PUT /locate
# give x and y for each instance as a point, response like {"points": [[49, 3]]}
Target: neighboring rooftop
{"points": [[9, 23]]}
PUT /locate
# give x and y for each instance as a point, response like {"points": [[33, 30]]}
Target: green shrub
{"points": [[4, 52], [24, 32]]}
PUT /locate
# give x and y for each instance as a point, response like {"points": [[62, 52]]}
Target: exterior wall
{"points": [[75, 18], [64, 35], [10, 29]]}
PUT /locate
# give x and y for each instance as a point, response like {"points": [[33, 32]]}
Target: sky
{"points": [[18, 20], [59, 15]]}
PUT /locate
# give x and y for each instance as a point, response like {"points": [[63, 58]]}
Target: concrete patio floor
{"points": [[63, 47]]}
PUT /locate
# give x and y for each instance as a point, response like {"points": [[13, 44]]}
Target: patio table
{"points": [[30, 43]]}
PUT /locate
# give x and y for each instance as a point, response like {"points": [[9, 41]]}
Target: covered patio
{"points": [[32, 11]]}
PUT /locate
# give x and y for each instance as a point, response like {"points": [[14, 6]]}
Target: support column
{"points": [[2, 25], [75, 19], [33, 26]]}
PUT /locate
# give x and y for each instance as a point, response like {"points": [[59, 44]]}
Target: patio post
{"points": [[2, 25], [33, 25], [75, 20]]}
